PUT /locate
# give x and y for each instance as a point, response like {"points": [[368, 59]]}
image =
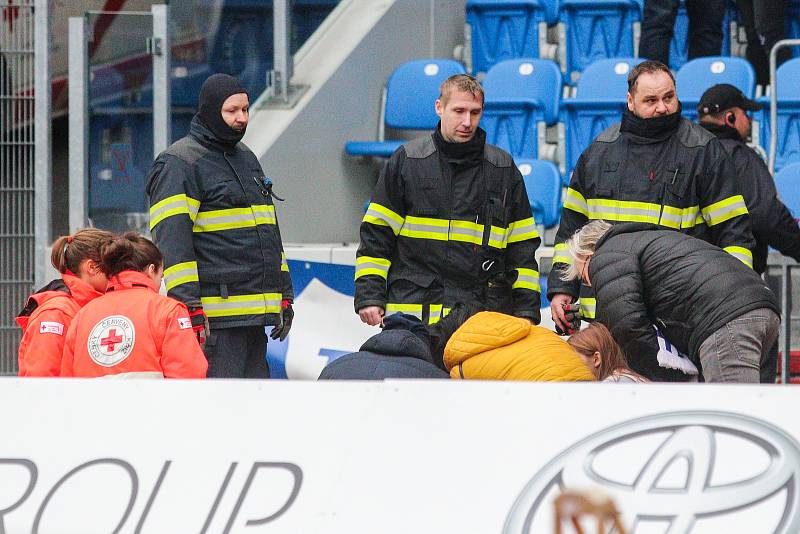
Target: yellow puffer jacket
{"points": [[494, 346]]}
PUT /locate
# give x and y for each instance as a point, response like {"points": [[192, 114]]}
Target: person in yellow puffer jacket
{"points": [[494, 346]]}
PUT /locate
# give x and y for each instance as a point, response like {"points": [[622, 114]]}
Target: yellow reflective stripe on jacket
{"points": [[366, 265], [742, 254], [284, 264], [411, 309], [257, 304], [426, 228], [498, 237], [180, 273], [561, 255], [623, 210], [721, 211], [234, 218], [465, 231], [522, 230], [576, 202], [679, 218], [435, 313], [527, 279], [588, 307], [383, 216], [174, 205]]}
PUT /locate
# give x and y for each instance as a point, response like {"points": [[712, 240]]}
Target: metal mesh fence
{"points": [[16, 171]]}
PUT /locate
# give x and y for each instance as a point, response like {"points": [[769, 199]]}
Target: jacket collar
{"points": [[82, 292], [68, 286], [722, 131], [130, 280], [651, 130], [203, 135]]}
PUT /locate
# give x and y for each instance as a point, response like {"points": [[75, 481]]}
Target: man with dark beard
{"points": [[212, 216], [654, 167], [449, 222]]}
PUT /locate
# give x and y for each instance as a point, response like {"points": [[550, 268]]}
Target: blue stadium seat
{"points": [[793, 24], [522, 95], [679, 46], [698, 75], [543, 184], [787, 182], [410, 95], [599, 102], [788, 149], [595, 29], [507, 29]]}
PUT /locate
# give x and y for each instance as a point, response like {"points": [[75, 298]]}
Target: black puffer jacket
{"points": [[643, 276]]}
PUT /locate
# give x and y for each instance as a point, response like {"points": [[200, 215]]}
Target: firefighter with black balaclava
{"points": [[449, 222], [212, 215]]}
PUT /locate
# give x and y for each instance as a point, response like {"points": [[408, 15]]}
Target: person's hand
{"points": [[572, 314], [372, 315], [282, 330], [200, 325], [557, 305]]}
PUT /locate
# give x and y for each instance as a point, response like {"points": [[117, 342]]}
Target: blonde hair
{"points": [[70, 251], [581, 246], [460, 82]]}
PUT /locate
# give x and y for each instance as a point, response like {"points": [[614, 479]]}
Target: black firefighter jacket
{"points": [[771, 221], [212, 217], [645, 276], [682, 181], [432, 237]]}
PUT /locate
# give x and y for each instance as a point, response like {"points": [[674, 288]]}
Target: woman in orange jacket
{"points": [[49, 312], [132, 330]]}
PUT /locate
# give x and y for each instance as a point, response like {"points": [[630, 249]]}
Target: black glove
{"points": [[287, 314], [572, 312], [200, 324]]}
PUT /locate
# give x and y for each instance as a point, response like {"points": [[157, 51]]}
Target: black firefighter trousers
{"points": [[239, 352]]}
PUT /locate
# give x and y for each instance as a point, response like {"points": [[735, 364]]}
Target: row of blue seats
{"points": [[523, 99], [588, 30]]}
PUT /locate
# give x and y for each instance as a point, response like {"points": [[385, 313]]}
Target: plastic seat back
{"points": [[696, 76], [543, 185]]}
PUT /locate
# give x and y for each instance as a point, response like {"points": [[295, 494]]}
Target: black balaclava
{"points": [[216, 89]]}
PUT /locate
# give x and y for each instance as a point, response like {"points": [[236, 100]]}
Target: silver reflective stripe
{"points": [[203, 219], [598, 211], [375, 214], [473, 233], [411, 227]]}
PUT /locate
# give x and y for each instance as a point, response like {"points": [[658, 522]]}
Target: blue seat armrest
{"points": [[377, 149]]}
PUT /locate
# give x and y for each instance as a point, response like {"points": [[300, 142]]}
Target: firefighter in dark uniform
{"points": [[212, 215], [653, 167], [723, 112], [449, 222]]}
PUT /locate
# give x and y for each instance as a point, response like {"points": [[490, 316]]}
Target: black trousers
{"points": [[237, 353], [764, 24], [705, 28]]}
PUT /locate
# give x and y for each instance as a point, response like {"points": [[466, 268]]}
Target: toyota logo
{"points": [[690, 472]]}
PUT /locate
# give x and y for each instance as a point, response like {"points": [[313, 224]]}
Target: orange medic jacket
{"points": [[494, 346], [132, 331], [45, 321]]}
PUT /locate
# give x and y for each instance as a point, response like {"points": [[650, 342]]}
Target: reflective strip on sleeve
{"points": [[256, 304], [180, 273], [588, 307], [576, 202], [498, 237], [435, 313], [724, 210], [742, 254], [426, 228], [174, 205], [465, 231], [411, 309], [366, 265], [561, 255], [527, 279], [234, 218], [522, 230], [383, 216], [284, 264]]}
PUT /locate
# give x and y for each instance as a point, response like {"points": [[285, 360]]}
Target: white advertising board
{"points": [[81, 456]]}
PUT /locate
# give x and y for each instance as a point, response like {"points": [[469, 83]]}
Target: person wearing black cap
{"points": [[723, 112], [213, 217]]}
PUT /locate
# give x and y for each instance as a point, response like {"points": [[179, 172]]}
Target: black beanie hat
{"points": [[216, 89]]}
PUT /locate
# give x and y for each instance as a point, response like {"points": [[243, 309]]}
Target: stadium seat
{"points": [[595, 29], [787, 182], [543, 184], [599, 102], [793, 24], [788, 149], [507, 29], [410, 95], [698, 75], [522, 96]]}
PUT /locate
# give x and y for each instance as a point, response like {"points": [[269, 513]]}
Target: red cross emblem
{"points": [[111, 340]]}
